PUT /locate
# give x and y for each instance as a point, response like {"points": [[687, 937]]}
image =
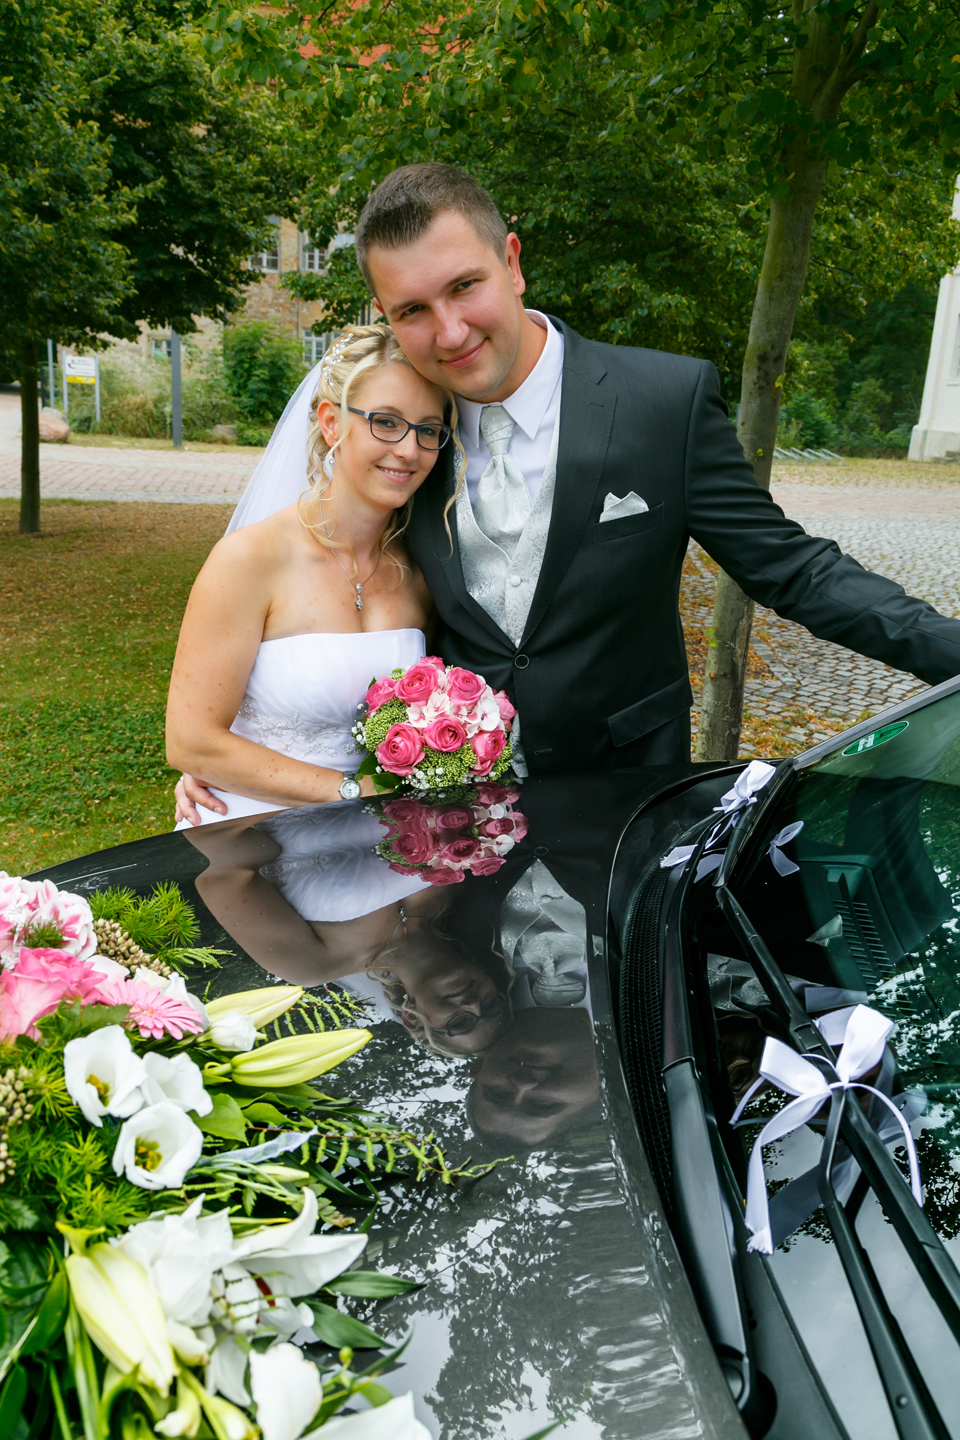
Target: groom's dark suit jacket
{"points": [[600, 676]]}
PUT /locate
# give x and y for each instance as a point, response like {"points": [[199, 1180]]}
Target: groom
{"points": [[556, 571]]}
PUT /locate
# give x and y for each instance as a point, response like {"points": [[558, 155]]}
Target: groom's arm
{"points": [[802, 577]]}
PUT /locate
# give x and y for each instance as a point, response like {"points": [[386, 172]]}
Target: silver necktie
{"points": [[503, 503]]}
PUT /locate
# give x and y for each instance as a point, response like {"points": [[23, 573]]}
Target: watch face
{"points": [[350, 789]]}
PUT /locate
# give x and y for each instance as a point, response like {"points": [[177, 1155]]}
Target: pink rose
{"points": [[488, 745], [491, 793], [403, 869], [380, 692], [419, 683], [407, 814], [416, 846], [454, 817], [445, 735], [497, 827], [442, 875], [486, 865], [461, 849], [436, 660], [401, 750], [507, 711], [36, 985], [463, 687], [480, 768], [520, 826]]}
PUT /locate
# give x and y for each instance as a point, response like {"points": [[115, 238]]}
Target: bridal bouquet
{"points": [[431, 726], [470, 832], [164, 1166]]}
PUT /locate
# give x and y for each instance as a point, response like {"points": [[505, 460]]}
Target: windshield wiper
{"points": [[912, 1407]]}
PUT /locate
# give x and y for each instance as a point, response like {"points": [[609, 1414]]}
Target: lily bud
{"points": [[261, 1005], [121, 1314], [295, 1059], [185, 1419]]}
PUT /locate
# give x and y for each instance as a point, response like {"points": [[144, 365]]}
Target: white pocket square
{"points": [[614, 509]]}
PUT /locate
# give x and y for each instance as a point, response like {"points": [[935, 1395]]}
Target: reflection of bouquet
{"points": [[153, 1274], [431, 727], [471, 831]]}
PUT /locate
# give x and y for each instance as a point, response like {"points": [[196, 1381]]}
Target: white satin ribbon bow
{"points": [[744, 792], [862, 1034], [782, 863]]}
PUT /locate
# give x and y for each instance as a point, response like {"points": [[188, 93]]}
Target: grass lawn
{"points": [[89, 615]]}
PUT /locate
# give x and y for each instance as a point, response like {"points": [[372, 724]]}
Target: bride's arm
{"points": [[219, 639]]}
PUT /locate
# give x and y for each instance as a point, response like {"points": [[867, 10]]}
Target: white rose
{"points": [[157, 1147], [178, 1080], [103, 1075], [181, 1254], [233, 1031]]}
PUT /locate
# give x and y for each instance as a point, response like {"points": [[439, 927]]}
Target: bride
{"points": [[302, 605]]}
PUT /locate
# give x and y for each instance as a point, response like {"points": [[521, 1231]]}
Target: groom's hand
{"points": [[190, 793]]}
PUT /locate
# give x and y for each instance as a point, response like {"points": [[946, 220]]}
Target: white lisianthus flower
{"points": [[103, 1075], [231, 1030], [176, 988], [181, 1254], [291, 1260], [157, 1147], [179, 1080], [286, 1390], [121, 1314], [394, 1421]]}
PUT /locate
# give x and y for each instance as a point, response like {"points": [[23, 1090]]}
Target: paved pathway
{"points": [[903, 521]]}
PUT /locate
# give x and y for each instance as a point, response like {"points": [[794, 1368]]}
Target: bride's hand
{"points": [[190, 793]]}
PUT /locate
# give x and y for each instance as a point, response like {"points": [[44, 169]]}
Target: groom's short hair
{"points": [[410, 198]]}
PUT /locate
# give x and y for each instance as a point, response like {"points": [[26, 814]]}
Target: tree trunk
{"points": [[30, 440], [824, 70]]}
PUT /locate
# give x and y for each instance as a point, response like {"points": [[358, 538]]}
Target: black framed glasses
{"points": [[463, 1021], [384, 426]]}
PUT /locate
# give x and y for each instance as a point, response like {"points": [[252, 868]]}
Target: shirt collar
{"points": [[529, 402]]}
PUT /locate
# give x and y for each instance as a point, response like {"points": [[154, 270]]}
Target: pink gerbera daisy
{"points": [[153, 1013]]}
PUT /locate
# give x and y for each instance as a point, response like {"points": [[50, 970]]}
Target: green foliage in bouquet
{"points": [[161, 924]]}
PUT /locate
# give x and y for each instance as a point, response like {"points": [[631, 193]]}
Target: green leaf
{"points": [[50, 1317], [370, 1284], [377, 1394], [337, 1329], [266, 1114], [225, 1119], [12, 1397]]}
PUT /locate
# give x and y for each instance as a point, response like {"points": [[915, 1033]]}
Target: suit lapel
{"points": [[586, 419]]}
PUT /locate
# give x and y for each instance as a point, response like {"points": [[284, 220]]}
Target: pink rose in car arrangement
{"points": [[471, 832], [431, 727]]}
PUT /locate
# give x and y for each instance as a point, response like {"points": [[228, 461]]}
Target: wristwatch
{"points": [[349, 788]]}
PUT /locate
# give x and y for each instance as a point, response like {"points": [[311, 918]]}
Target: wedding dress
{"points": [[303, 698]]}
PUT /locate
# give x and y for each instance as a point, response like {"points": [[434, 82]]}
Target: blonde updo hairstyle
{"points": [[359, 351]]}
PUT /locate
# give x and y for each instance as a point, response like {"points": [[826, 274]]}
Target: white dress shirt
{"points": [[533, 407]]}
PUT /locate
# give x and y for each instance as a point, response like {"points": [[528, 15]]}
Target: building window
{"points": [[268, 259], [313, 260], [315, 346], [161, 349]]}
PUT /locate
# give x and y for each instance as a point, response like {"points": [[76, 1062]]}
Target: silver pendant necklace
{"points": [[357, 584]]}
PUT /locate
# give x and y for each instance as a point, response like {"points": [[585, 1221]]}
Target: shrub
{"points": [[806, 422], [262, 367], [135, 395], [866, 419]]}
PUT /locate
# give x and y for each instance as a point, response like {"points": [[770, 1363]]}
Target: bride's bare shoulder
{"points": [[261, 546]]}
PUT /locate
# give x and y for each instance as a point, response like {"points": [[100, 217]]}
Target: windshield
{"points": [[853, 882]]}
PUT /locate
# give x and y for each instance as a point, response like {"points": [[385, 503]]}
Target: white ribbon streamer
{"points": [[744, 792], [679, 855], [862, 1034], [782, 863]]}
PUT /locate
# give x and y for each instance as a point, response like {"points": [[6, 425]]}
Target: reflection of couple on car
{"points": [[479, 470]]}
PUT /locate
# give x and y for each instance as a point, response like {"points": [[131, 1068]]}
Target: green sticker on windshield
{"points": [[875, 738]]}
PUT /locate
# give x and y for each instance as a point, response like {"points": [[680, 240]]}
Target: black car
{"points": [[590, 1015]]}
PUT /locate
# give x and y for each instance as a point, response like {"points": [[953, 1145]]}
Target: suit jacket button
{"points": [[520, 662]]}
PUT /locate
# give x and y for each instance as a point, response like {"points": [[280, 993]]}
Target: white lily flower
{"points": [[394, 1421], [232, 1030], [193, 1347], [185, 1419], [291, 1260], [226, 1373], [179, 1080], [286, 1389], [181, 1254], [157, 1147], [121, 1314], [103, 1075]]}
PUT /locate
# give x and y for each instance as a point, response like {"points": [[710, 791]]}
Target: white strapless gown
{"points": [[303, 697]]}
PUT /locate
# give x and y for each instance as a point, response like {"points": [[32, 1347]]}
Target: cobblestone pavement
{"points": [[910, 534]]}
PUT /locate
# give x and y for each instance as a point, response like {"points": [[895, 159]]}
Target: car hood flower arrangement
{"points": [[164, 1169], [467, 830], [433, 726]]}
